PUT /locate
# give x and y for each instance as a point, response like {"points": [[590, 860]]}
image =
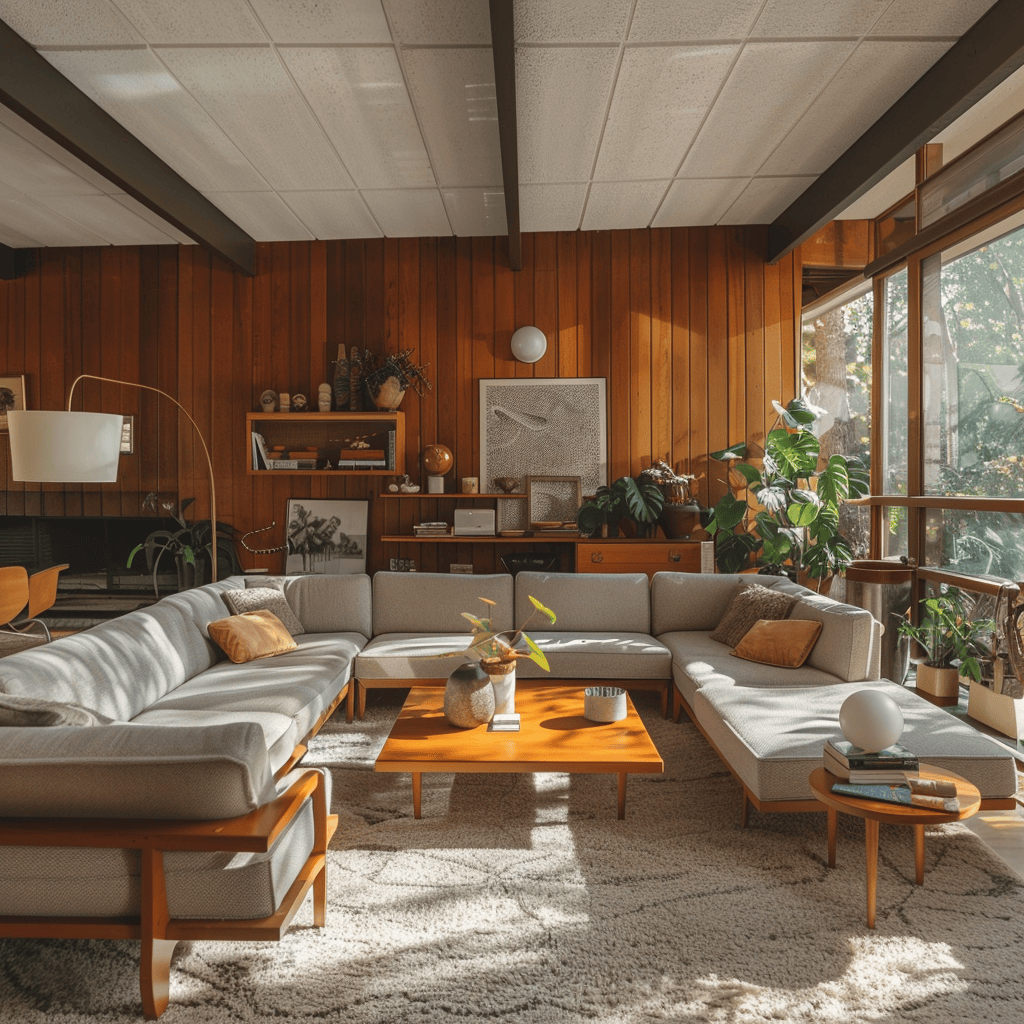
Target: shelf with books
{"points": [[326, 444]]}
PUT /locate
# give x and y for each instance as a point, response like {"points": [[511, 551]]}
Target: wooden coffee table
{"points": [[553, 737], [874, 811]]}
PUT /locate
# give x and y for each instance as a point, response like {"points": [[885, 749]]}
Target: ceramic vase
{"points": [[468, 696], [389, 395], [503, 681]]}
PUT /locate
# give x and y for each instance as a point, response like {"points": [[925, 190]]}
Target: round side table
{"points": [[874, 811]]}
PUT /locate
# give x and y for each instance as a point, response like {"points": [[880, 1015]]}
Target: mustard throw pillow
{"points": [[251, 635], [750, 603], [784, 643]]}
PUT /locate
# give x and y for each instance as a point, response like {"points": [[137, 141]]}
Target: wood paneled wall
{"points": [[695, 334]]}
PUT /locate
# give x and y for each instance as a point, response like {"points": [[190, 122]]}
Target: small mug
{"points": [[470, 485]]}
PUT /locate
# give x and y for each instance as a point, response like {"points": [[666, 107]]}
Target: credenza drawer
{"points": [[645, 556]]}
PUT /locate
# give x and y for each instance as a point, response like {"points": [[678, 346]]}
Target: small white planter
{"points": [[604, 703]]}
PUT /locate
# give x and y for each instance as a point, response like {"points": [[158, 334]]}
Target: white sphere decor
{"points": [[871, 720], [529, 344]]}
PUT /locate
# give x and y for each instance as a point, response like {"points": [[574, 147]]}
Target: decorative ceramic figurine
{"points": [[355, 380], [286, 401], [299, 403], [407, 486], [323, 397], [268, 400], [341, 380]]}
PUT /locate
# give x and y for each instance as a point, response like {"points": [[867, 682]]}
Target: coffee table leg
{"points": [[622, 796], [919, 854], [833, 820], [417, 779], [871, 846]]}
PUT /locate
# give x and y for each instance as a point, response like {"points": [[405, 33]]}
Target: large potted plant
{"points": [[637, 499], [788, 522]]}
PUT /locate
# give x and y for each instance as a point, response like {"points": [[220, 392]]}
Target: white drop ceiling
{"points": [[365, 118]]}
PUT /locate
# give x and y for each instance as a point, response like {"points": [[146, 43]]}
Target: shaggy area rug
{"points": [[523, 898]]}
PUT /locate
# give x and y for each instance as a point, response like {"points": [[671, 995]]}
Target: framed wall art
{"points": [[326, 536], [552, 500], [12, 396], [543, 427]]}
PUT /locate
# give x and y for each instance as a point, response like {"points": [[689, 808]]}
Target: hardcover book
{"points": [[900, 794], [896, 756]]}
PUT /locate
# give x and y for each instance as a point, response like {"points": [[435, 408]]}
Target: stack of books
{"points": [[851, 764], [431, 530]]}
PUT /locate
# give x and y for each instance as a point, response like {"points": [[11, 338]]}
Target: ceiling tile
{"points": [[622, 204], [764, 199], [28, 218], [862, 91], [440, 22], [680, 21], [263, 215], [146, 214], [561, 95], [252, 98], [359, 96], [570, 21], [27, 169], [551, 207], [453, 94], [313, 21], [661, 97], [767, 92], [785, 19], [194, 21], [8, 236], [110, 220], [333, 214], [921, 18], [694, 201], [142, 95], [410, 213], [59, 23], [476, 211], [891, 189]]}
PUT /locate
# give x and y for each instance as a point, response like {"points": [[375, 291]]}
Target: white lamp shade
{"points": [[529, 344], [64, 447], [871, 720]]}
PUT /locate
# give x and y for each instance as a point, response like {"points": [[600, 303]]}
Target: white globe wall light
{"points": [[529, 344]]}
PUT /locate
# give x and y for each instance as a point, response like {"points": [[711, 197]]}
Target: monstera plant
{"points": [[789, 521], [638, 499]]}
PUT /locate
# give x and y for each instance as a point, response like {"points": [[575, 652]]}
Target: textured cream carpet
{"points": [[522, 898]]}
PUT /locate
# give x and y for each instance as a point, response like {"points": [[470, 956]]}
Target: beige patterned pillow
{"points": [[750, 603], [256, 599]]}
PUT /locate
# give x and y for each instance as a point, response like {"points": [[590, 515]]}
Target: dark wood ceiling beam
{"points": [[13, 262], [503, 49], [37, 92], [990, 51]]}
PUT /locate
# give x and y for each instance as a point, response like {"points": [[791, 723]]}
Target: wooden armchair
{"points": [[33, 595]]}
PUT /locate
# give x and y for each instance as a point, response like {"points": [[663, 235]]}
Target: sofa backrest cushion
{"points": [[433, 602], [848, 645], [684, 600], [135, 771], [586, 602], [337, 603]]}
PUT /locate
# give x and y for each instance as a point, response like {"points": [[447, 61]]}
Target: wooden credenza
{"points": [[649, 556]]}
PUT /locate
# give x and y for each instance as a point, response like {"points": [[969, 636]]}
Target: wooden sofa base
{"points": [[157, 932], [749, 799], [356, 706]]}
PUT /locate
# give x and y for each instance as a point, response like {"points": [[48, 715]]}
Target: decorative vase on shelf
{"points": [[503, 679], [355, 376], [468, 696], [342, 382], [388, 397]]}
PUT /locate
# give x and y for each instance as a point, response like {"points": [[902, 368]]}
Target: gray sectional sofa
{"points": [[189, 814]]}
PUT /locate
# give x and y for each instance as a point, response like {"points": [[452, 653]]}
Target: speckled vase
{"points": [[468, 696]]}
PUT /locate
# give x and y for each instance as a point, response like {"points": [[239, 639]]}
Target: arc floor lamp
{"points": [[84, 447]]}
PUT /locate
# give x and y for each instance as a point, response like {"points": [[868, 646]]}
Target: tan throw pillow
{"points": [[255, 599], [784, 643], [251, 635], [750, 603]]}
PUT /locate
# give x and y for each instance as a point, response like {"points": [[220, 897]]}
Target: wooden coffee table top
{"points": [[553, 737]]}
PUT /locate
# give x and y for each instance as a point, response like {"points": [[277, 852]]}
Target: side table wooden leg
{"points": [[919, 854], [622, 796], [871, 848], [417, 779], [833, 822]]}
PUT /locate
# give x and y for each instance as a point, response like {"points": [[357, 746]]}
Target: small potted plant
{"points": [[387, 377], [942, 634], [638, 499]]}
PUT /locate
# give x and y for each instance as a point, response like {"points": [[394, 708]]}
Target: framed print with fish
{"points": [[544, 427]]}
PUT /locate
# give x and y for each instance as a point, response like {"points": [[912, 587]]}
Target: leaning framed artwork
{"points": [[552, 500], [325, 536], [543, 427], [12, 398]]}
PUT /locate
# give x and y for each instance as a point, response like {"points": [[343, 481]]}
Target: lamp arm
{"points": [[199, 434]]}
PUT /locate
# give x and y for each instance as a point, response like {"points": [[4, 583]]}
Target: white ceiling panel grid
{"points": [[440, 22], [698, 201], [551, 207], [60, 23], [416, 213], [226, 22], [764, 199], [145, 213], [570, 22], [622, 204], [112, 221], [825, 19], [475, 211], [264, 215], [333, 214], [686, 21], [922, 19], [23, 168], [24, 217], [320, 23]]}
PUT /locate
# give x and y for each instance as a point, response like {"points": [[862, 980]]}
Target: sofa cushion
{"points": [[412, 656], [773, 739], [585, 602], [850, 643], [783, 643], [584, 655], [748, 604], [251, 636], [269, 599], [683, 601], [336, 603], [36, 712], [433, 602]]}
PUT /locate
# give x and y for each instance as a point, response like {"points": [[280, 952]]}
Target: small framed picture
{"points": [[552, 500], [12, 397], [326, 536]]}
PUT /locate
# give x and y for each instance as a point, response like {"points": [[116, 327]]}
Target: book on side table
{"points": [[845, 761], [933, 794]]}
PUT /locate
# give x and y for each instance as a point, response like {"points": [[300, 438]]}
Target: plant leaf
{"points": [[749, 473], [547, 612], [729, 512], [795, 454], [536, 654], [736, 451]]}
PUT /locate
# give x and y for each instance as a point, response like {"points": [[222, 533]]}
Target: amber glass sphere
{"points": [[437, 459]]}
